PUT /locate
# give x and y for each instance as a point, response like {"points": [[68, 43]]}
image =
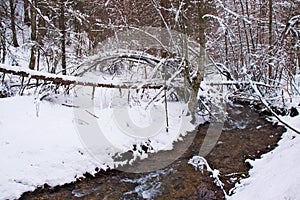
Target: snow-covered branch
{"points": [[292, 23], [270, 109], [233, 13], [72, 80], [200, 162]]}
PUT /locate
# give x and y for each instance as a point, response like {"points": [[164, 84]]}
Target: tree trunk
{"points": [[270, 22], [33, 35], [63, 37], [238, 64], [192, 105], [298, 58], [245, 27], [2, 41], [26, 13], [250, 27], [226, 47], [185, 53], [261, 24], [270, 70], [13, 22], [78, 48]]}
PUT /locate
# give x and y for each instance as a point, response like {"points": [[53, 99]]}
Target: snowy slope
{"points": [[41, 142], [277, 174]]}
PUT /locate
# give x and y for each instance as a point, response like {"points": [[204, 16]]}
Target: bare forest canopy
{"points": [[256, 37], [245, 41]]}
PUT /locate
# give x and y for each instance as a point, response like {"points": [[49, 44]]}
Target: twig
{"points": [[69, 105], [92, 114]]}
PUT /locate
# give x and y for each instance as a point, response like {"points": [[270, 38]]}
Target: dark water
{"points": [[246, 134]]}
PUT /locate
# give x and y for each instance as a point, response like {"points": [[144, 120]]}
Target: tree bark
{"points": [[270, 22], [250, 27], [2, 41], [66, 80], [63, 37], [201, 62], [13, 22], [238, 64], [185, 53], [245, 27], [270, 70], [26, 12], [298, 47], [32, 62]]}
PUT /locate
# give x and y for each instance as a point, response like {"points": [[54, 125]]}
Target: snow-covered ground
{"points": [[52, 141], [38, 149], [43, 142], [277, 174]]}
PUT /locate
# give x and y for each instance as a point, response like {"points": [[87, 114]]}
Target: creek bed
{"points": [[246, 135]]}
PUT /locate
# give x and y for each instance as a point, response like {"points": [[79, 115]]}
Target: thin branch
{"points": [[263, 101]]}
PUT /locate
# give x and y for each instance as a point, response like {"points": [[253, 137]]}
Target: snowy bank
{"points": [[38, 150], [276, 175], [41, 142]]}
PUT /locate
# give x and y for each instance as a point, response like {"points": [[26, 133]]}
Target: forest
{"points": [[247, 40], [103, 65]]}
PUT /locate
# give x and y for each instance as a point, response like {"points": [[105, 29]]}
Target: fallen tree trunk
{"points": [[70, 80]]}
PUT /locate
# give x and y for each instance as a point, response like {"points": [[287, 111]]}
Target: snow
{"points": [[44, 142], [73, 79], [118, 123], [37, 150], [276, 175]]}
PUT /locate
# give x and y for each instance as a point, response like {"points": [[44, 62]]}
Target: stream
{"points": [[246, 135]]}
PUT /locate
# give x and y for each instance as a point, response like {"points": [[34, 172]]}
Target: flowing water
{"points": [[246, 134]]}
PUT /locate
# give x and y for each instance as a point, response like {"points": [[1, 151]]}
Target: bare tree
{"points": [[203, 8]]}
